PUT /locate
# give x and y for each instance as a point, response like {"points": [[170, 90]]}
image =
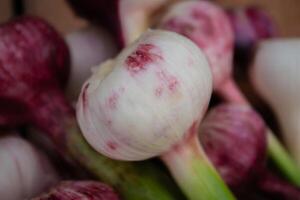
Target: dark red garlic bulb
{"points": [[234, 138], [251, 25], [31, 43]]}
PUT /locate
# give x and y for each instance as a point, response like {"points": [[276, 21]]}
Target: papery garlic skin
{"points": [[89, 46], [206, 24], [24, 172], [146, 97], [275, 75]]}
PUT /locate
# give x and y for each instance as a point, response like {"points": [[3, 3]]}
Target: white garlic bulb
{"points": [[142, 103], [275, 74]]}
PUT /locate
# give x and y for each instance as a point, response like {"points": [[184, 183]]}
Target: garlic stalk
{"points": [[149, 102], [208, 26], [275, 75], [25, 172]]}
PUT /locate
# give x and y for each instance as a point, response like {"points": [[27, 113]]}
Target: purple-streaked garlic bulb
{"points": [[89, 46], [275, 75], [25, 172], [19, 38], [145, 98], [208, 26], [250, 25], [84, 190], [149, 102], [234, 138]]}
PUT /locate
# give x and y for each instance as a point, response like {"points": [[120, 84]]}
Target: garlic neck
{"points": [[290, 127]]}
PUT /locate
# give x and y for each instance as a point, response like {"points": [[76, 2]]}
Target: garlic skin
{"points": [[146, 97], [206, 24], [25, 172], [88, 47], [275, 75]]}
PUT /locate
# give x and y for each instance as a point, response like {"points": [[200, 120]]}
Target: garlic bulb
{"points": [[146, 97], [208, 26], [149, 102], [24, 172], [275, 75], [89, 46]]}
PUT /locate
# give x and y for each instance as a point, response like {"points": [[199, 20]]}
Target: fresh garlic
{"points": [[149, 102], [206, 24], [275, 75], [145, 97], [24, 172]]}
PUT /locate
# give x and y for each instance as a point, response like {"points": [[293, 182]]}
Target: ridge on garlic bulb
{"points": [[146, 97]]}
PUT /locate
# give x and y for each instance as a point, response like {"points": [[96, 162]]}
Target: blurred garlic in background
{"points": [[25, 172], [89, 46]]}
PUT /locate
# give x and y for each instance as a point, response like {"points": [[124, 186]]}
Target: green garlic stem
{"points": [[194, 173], [282, 159]]}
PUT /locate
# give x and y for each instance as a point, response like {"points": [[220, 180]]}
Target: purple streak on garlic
{"points": [[234, 138], [275, 75], [133, 121], [89, 47], [84, 190], [208, 26], [25, 172]]}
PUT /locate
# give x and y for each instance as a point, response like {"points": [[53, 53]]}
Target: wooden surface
{"points": [[5, 10], [286, 13], [56, 12]]}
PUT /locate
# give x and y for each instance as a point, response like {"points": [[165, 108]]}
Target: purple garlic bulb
{"points": [[234, 138], [250, 25]]}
